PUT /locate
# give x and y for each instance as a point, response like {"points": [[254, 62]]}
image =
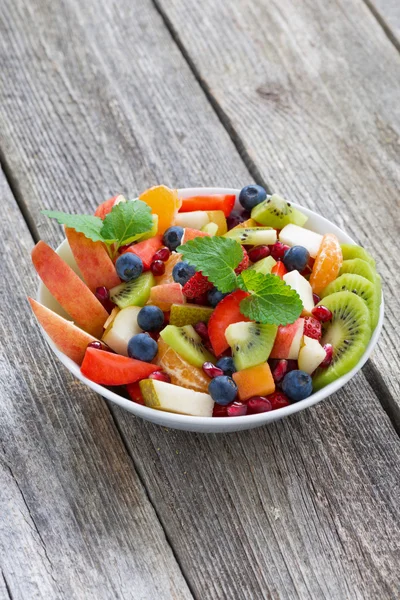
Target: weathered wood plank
{"points": [[75, 521], [388, 14], [303, 509], [317, 111]]}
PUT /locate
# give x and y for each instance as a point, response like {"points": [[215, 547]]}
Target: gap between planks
{"points": [[392, 37]]}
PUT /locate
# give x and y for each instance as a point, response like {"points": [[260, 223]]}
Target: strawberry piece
{"points": [[196, 286], [224, 202], [312, 328], [244, 262], [107, 368], [279, 269], [146, 250], [134, 393], [226, 312]]}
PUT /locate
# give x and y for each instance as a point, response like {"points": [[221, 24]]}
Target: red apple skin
{"points": [[93, 261], [105, 207], [287, 337], [69, 290], [167, 294], [68, 338]]}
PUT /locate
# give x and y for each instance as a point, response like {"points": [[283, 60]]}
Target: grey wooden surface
{"points": [[97, 98]]}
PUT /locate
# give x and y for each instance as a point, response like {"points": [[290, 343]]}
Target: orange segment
{"points": [[166, 277], [248, 223], [179, 370], [254, 381], [327, 263], [164, 203]]}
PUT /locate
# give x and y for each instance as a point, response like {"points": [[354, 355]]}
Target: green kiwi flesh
{"points": [[358, 266], [277, 213], [357, 285], [133, 293], [189, 314], [187, 343], [253, 236], [349, 332], [251, 343], [263, 266], [350, 251]]}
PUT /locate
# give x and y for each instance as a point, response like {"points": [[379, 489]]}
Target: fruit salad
{"points": [[198, 308]]}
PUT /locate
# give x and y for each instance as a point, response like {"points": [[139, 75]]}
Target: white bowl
{"points": [[210, 424]]}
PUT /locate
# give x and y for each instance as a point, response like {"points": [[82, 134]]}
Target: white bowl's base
{"points": [[211, 424]]}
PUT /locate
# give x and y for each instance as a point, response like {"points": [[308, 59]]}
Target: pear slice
{"points": [[311, 355], [173, 398], [300, 284], [293, 235], [121, 329]]}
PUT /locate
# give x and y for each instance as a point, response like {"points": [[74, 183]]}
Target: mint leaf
{"points": [[271, 300], [216, 257], [126, 222], [89, 225]]}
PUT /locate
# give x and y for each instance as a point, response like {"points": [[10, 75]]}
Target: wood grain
{"points": [[387, 13], [311, 92], [75, 521], [306, 508]]}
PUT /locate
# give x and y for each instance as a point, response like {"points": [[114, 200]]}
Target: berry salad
{"points": [[199, 309]]}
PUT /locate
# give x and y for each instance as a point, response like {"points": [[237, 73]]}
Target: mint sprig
{"points": [[270, 301], [125, 223], [216, 257]]}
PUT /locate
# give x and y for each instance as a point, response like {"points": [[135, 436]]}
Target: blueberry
{"points": [[251, 195], [128, 266], [214, 296], [182, 272], [142, 347], [150, 318], [297, 385], [222, 389], [172, 237], [227, 365], [296, 258]]}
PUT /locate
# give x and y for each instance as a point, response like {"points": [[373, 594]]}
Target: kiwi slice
{"points": [[358, 266], [349, 332], [264, 265], [357, 285], [253, 236], [133, 293], [251, 343], [187, 343], [189, 314], [352, 251], [277, 213]]}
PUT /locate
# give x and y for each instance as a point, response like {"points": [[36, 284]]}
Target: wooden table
{"points": [[118, 95]]}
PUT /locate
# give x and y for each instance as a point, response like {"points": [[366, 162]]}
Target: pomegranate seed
{"points": [[329, 355], [322, 313], [202, 300], [278, 250], [219, 410], [258, 404], [202, 330], [316, 298], [258, 253], [102, 294], [280, 370], [278, 400], [292, 365], [160, 376], [97, 345], [162, 254], [236, 409], [157, 267], [211, 370]]}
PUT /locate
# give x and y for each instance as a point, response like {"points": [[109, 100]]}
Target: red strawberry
{"points": [[226, 312], [196, 286], [244, 262], [312, 328]]}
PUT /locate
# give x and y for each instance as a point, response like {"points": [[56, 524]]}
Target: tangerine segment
{"points": [[180, 372], [166, 277], [164, 202], [327, 263]]}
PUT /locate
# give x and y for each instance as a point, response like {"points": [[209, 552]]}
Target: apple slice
{"points": [[303, 288], [311, 355], [293, 235], [93, 261], [173, 398], [121, 329], [106, 207], [288, 340], [69, 290], [68, 338], [167, 294]]}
